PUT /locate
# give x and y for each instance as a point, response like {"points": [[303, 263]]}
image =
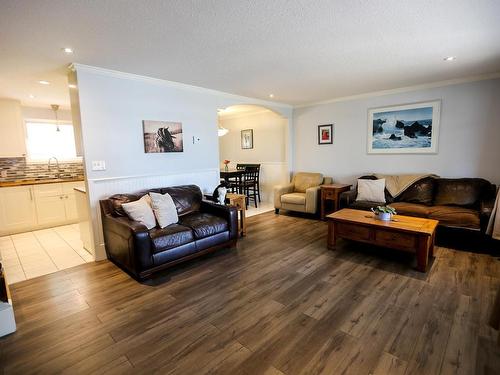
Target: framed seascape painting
{"points": [[162, 136], [247, 139], [404, 129], [325, 134]]}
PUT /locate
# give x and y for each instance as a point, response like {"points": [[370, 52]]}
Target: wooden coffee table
{"points": [[411, 234]]}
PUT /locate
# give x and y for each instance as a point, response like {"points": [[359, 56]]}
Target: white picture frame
{"points": [[404, 129]]}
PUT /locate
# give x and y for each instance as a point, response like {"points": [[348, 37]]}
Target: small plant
{"points": [[384, 210], [226, 164]]}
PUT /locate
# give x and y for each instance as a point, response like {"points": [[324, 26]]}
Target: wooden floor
{"points": [[280, 303]]}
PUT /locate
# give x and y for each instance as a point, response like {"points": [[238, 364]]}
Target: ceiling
{"points": [[301, 51], [241, 110]]}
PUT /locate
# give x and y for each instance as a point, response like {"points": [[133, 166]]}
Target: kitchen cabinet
{"points": [[17, 209], [49, 204], [31, 207], [12, 135]]}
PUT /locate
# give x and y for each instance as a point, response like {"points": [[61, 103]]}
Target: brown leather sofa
{"points": [[203, 227], [464, 203]]}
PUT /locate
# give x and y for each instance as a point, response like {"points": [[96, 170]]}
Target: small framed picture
{"points": [[325, 134], [247, 139]]}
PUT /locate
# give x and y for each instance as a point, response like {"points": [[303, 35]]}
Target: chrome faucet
{"points": [[58, 173]]}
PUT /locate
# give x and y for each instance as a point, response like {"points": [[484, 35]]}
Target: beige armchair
{"points": [[302, 194]]}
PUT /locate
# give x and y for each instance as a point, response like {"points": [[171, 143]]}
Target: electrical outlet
{"points": [[98, 165]]}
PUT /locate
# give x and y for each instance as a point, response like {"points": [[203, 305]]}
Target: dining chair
{"points": [[251, 183]]}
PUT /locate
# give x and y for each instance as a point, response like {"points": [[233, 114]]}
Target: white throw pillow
{"points": [[164, 209], [371, 190], [141, 211]]}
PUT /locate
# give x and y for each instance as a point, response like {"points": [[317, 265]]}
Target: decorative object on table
{"points": [[384, 213], [247, 139], [226, 164], [325, 134], [220, 192], [410, 128], [162, 136]]}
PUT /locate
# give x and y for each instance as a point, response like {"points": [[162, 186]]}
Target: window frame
{"points": [[47, 121]]}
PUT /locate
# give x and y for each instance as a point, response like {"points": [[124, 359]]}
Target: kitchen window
{"points": [[46, 139]]}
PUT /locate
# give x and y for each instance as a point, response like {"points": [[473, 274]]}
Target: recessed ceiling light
{"points": [[42, 82], [67, 50], [72, 86], [450, 58], [32, 96], [271, 96]]}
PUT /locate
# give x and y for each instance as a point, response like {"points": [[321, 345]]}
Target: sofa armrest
{"points": [[279, 190], [347, 198], [127, 243], [228, 213], [312, 199], [486, 209]]}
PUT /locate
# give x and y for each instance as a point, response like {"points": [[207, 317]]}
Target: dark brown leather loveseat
{"points": [[464, 203], [203, 227]]}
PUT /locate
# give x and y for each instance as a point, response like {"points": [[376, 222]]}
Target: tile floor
{"points": [[32, 254], [263, 207]]}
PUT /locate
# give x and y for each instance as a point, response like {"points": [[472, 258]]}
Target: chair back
{"points": [[252, 173]]}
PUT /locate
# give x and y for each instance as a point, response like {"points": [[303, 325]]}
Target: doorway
{"points": [[253, 134]]}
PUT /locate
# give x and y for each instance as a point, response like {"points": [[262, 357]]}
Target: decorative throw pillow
{"points": [[371, 190], [164, 209], [141, 211]]}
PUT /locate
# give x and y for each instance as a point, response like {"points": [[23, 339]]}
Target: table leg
{"points": [[331, 239], [336, 203], [322, 207], [423, 253], [243, 221]]}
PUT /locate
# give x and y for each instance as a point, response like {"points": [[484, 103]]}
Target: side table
{"points": [[239, 200], [331, 192]]}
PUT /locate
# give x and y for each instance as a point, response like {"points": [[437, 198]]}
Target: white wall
{"points": [[469, 139], [112, 106], [270, 137]]}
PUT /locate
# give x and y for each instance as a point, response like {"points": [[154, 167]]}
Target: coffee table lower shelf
{"points": [[413, 237]]}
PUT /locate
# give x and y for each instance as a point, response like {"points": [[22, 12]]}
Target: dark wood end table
{"points": [[331, 192]]}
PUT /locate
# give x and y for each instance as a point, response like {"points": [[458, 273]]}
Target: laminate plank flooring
{"points": [[278, 304]]}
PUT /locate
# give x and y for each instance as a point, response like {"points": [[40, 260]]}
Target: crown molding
{"points": [[456, 81], [173, 84]]}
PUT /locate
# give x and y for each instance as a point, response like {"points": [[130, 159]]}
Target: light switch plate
{"points": [[98, 165]]}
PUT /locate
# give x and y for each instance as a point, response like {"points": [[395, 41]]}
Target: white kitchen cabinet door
{"points": [[17, 208], [49, 200], [12, 137], [50, 210], [70, 200]]}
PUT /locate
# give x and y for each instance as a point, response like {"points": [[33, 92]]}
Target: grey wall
{"points": [[469, 140]]}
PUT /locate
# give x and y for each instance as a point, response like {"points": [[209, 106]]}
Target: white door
{"points": [[17, 208]]}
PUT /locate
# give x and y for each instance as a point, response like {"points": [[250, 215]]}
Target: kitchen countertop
{"points": [[38, 182]]}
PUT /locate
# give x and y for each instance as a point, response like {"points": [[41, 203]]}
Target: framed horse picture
{"points": [[162, 136]]}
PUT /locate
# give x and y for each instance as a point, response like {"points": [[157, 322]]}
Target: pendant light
{"points": [[55, 108]]}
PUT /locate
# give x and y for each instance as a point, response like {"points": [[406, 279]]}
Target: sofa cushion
{"points": [[187, 198], [303, 181], [169, 237], [204, 224], [294, 198], [421, 192], [365, 205], [411, 209], [455, 216], [459, 191]]}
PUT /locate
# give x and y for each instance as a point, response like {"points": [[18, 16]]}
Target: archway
{"points": [[254, 134]]}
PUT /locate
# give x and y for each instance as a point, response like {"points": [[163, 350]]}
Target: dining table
{"points": [[233, 174]]}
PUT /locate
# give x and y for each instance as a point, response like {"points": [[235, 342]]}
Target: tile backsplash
{"points": [[18, 169]]}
